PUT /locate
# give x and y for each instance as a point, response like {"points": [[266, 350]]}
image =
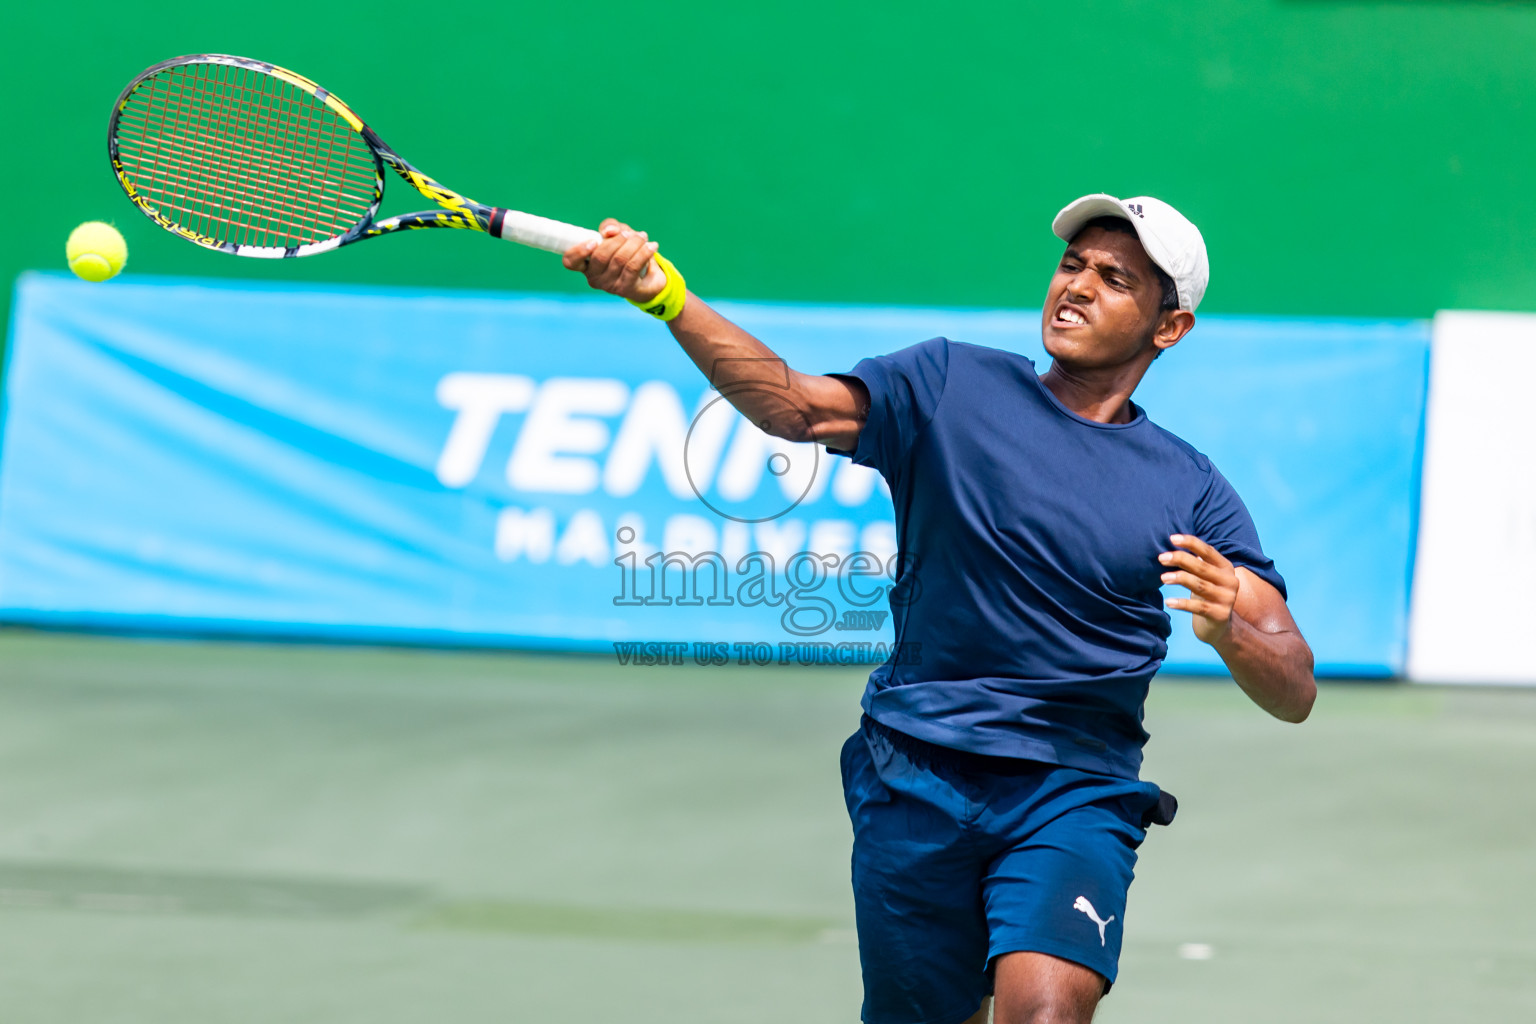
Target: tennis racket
{"points": [[244, 157]]}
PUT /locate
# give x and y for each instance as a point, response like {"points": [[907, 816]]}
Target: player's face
{"points": [[1104, 302]]}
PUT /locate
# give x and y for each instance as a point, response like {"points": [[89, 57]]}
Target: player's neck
{"points": [[1101, 394]]}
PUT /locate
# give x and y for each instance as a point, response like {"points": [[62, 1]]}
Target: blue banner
{"points": [[554, 473]]}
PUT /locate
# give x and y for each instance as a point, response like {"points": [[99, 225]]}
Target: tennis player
{"points": [[993, 784]]}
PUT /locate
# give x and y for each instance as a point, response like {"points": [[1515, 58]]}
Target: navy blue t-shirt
{"points": [[1029, 538]]}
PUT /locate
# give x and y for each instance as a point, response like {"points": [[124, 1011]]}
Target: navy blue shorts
{"points": [[959, 858]]}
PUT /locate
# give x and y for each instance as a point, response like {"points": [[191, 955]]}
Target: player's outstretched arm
{"points": [[1248, 623], [780, 400]]}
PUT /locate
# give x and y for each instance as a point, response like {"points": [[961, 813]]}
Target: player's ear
{"points": [[1173, 325]]}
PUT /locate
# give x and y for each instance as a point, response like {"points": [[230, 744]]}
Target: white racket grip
{"points": [[538, 232]]}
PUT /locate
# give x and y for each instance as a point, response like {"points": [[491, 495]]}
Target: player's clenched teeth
{"points": [[1068, 315]]}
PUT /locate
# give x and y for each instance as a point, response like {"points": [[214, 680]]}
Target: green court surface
{"points": [[198, 832]]}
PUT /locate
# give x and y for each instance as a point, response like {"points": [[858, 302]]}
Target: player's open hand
{"points": [[1212, 583], [619, 262]]}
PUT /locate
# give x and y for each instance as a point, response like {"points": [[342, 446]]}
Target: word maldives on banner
{"points": [[1473, 603], [554, 473]]}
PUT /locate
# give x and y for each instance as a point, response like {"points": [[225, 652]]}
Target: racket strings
{"points": [[238, 120], [241, 156], [251, 198]]}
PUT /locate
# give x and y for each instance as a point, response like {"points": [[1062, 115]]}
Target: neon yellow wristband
{"points": [[669, 301]]}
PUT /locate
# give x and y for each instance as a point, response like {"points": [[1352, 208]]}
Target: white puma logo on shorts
{"points": [[1081, 903]]}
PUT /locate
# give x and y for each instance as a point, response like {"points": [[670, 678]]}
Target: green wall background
{"points": [[1369, 159]]}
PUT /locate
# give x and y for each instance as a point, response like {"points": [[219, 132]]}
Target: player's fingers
{"points": [[1195, 606], [575, 257], [1221, 575], [1196, 585], [652, 279], [1199, 547], [612, 239], [625, 255], [1185, 560], [635, 270], [612, 225], [606, 267], [641, 258], [603, 256]]}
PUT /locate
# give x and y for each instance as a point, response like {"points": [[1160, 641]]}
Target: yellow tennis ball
{"points": [[96, 251]]}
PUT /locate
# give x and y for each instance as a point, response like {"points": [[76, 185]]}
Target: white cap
{"points": [[1170, 239]]}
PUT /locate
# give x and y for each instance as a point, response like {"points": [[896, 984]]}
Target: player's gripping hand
{"points": [[619, 262], [1212, 583]]}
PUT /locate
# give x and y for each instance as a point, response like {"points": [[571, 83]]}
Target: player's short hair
{"points": [[1121, 226]]}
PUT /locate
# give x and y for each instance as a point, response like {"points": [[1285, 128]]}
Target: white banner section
{"points": [[1473, 617]]}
